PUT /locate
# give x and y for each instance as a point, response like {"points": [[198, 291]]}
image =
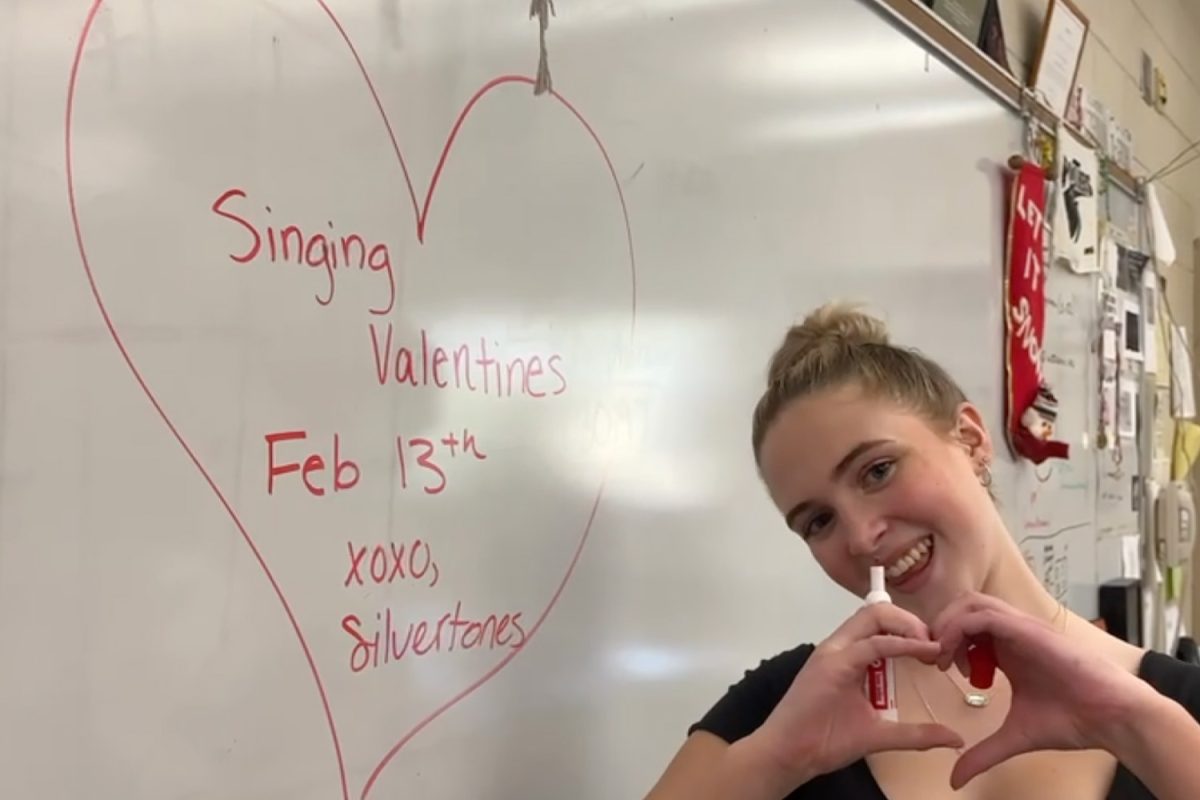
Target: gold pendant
{"points": [[976, 699]]}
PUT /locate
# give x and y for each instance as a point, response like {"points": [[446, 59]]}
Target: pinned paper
{"points": [[1127, 399], [1185, 449], [1150, 320], [1172, 620], [1110, 256], [1108, 344], [1110, 328], [1164, 247], [1076, 240], [1174, 586], [1131, 557], [1094, 116], [1183, 396]]}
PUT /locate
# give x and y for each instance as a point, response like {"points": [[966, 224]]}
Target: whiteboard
{"points": [[1064, 506], [510, 428]]}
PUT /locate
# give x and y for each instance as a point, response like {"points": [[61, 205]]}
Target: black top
{"points": [[749, 702]]}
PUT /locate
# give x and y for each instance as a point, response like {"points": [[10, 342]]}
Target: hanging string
{"points": [[543, 10], [1171, 170], [1163, 170]]}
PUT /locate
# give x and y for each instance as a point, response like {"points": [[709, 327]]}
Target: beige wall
{"points": [[1169, 31]]}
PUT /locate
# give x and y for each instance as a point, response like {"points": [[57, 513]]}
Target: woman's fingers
{"points": [[876, 619], [995, 749], [964, 604], [956, 634], [865, 652], [911, 736]]}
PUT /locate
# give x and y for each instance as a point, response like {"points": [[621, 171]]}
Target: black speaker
{"points": [[1121, 608]]}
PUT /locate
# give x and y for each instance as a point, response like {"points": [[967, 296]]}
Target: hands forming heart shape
{"points": [[1062, 699]]}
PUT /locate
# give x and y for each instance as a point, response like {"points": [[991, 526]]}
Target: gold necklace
{"points": [[928, 708], [977, 698]]}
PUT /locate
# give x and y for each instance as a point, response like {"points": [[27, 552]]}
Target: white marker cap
{"points": [[877, 579], [879, 592]]}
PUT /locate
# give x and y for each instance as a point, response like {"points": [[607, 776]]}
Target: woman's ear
{"points": [[972, 435]]}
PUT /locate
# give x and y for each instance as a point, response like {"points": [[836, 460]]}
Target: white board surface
{"points": [[592, 561]]}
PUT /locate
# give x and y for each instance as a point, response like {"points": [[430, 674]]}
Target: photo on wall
{"points": [[1132, 342], [1130, 264], [1076, 240]]}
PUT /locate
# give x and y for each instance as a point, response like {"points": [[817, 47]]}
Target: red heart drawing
{"points": [[421, 212]]}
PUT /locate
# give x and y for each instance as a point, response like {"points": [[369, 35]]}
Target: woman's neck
{"points": [[1012, 581]]}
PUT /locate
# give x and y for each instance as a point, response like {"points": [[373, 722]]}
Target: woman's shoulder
{"points": [[748, 702]]}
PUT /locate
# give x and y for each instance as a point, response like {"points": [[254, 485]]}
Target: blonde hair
{"points": [[837, 345]]}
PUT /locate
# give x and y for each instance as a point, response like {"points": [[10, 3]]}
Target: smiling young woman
{"points": [[873, 455]]}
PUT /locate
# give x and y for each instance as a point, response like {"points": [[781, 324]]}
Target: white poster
{"points": [[1163, 246], [1076, 240], [1150, 340]]}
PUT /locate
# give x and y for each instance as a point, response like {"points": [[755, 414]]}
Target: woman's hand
{"points": [[1062, 697], [825, 721]]}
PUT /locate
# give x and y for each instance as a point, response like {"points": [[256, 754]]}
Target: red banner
{"points": [[1031, 407]]}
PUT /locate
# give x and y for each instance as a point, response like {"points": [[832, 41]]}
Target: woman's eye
{"points": [[879, 472], [816, 523]]}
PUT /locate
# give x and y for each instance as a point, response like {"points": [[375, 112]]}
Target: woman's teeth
{"points": [[914, 557]]}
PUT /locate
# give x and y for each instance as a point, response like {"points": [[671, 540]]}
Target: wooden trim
{"points": [[935, 33]]}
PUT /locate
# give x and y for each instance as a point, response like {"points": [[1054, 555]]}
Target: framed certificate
{"points": [[1061, 48]]}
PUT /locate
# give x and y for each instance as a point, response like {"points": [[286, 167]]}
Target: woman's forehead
{"points": [[814, 433], [840, 417]]}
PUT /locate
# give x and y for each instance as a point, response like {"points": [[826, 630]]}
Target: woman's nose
{"points": [[864, 530]]}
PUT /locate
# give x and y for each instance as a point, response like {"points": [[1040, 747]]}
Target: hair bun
{"points": [[831, 329]]}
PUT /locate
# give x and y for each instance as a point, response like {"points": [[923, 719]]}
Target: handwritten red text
{"points": [[466, 367], [391, 563], [330, 252], [427, 456], [313, 467], [391, 640]]}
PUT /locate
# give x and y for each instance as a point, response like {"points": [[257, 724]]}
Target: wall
{"points": [[1169, 31]]}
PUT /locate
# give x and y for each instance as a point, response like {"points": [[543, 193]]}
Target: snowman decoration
{"points": [[1039, 418]]}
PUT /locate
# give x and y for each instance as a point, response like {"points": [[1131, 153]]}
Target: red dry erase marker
{"points": [[881, 674], [981, 657]]}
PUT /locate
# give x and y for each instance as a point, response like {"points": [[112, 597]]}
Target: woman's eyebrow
{"points": [[854, 453]]}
